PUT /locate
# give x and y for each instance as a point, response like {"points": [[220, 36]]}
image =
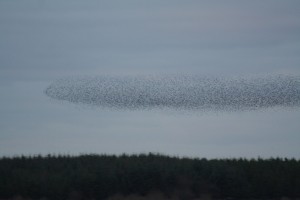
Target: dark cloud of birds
{"points": [[179, 92]]}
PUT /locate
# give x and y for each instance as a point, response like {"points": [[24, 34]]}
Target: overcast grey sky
{"points": [[45, 40]]}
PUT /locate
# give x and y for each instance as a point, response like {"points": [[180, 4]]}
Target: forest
{"points": [[93, 176]]}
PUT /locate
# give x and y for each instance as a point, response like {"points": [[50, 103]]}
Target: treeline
{"points": [[101, 176]]}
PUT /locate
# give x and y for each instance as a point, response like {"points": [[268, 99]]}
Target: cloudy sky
{"points": [[45, 40]]}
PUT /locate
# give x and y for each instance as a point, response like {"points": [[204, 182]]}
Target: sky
{"points": [[42, 41]]}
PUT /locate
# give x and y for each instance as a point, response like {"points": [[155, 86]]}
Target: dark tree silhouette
{"points": [[100, 176]]}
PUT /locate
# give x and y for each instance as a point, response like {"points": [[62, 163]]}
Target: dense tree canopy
{"points": [[100, 176]]}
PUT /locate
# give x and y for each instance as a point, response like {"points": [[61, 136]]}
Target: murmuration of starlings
{"points": [[184, 92]]}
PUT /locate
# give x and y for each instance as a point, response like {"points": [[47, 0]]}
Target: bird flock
{"points": [[179, 92]]}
